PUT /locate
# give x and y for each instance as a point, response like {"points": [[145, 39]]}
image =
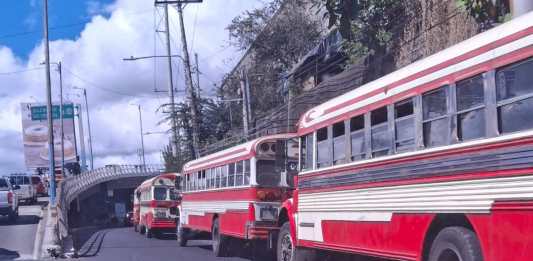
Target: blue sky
{"points": [[21, 21], [91, 38]]}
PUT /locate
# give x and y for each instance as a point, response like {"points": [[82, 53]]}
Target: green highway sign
{"points": [[39, 113]]}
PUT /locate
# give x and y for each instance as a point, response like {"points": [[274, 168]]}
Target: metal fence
{"points": [[71, 187]]}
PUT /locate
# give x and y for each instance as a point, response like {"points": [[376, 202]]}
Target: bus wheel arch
{"points": [[440, 223]]}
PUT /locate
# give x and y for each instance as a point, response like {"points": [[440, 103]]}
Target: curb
{"points": [[37, 245]]}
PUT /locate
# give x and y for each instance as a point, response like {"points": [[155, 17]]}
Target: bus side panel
{"points": [[202, 223], [232, 223], [506, 233], [402, 237]]}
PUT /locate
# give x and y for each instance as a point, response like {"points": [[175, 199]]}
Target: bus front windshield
{"points": [[274, 164], [160, 193]]}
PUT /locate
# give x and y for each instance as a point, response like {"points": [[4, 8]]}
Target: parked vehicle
{"points": [[128, 219], [8, 200], [38, 185], [26, 192], [155, 205], [237, 193], [432, 162]]}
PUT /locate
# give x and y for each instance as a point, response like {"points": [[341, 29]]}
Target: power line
{"points": [[103, 88], [21, 71]]}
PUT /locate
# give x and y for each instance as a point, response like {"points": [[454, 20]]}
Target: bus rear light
{"points": [[261, 195], [10, 198]]}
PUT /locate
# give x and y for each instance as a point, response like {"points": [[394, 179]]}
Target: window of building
{"points": [[247, 172], [231, 175], [470, 108], [380, 132], [339, 142], [436, 124], [239, 177], [306, 159], [404, 128], [514, 92], [323, 148], [357, 137]]}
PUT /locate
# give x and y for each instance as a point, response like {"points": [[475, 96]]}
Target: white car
{"points": [[8, 200], [27, 191]]}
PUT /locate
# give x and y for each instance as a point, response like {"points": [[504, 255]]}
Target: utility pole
{"points": [[190, 85], [143, 161], [61, 113], [197, 75], [51, 158], [245, 103], [89, 129], [83, 166], [173, 122]]}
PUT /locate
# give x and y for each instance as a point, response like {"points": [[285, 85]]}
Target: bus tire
{"points": [[149, 233], [220, 242], [287, 251], [181, 234], [455, 243]]}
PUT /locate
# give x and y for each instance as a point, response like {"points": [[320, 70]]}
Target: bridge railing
{"points": [[71, 187]]}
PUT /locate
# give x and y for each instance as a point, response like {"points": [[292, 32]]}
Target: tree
{"points": [[369, 28], [277, 36]]}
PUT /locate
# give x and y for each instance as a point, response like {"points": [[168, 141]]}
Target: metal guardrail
{"points": [[71, 187]]}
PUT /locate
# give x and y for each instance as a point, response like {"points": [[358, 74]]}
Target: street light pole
{"points": [[143, 160], [51, 158], [89, 129], [61, 113]]}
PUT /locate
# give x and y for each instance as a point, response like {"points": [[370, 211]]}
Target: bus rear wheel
{"points": [[220, 242], [455, 244], [181, 234], [287, 251]]}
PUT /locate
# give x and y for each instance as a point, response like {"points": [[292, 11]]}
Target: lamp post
{"points": [[142, 138], [88, 125]]}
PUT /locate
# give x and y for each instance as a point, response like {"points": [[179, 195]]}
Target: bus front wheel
{"points": [[287, 251], [455, 244]]}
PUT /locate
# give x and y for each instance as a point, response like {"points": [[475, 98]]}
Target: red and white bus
{"points": [[433, 162], [237, 192], [155, 205]]}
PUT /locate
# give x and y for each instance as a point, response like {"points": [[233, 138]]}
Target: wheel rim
{"points": [[215, 238], [286, 248], [449, 255]]}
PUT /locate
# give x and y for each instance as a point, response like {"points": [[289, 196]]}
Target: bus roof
{"points": [[434, 70], [151, 182], [235, 153]]}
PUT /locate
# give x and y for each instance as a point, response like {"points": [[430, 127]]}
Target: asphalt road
{"points": [[17, 240], [125, 244]]}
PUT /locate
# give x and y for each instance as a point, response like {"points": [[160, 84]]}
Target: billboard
{"points": [[35, 134]]}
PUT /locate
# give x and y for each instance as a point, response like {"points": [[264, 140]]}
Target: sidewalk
{"points": [[49, 238]]}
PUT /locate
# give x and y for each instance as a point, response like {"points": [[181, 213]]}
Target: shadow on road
{"points": [[6, 254]]}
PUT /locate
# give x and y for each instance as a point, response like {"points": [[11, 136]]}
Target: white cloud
{"points": [[94, 61]]}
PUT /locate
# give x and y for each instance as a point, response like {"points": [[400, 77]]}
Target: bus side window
{"points": [[217, 177], [514, 92], [239, 177], [339, 142], [247, 172], [470, 97], [323, 148], [404, 127], [380, 132], [436, 124], [357, 137], [231, 175], [224, 178]]}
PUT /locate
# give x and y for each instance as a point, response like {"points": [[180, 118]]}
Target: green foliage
{"points": [[485, 12], [276, 44], [368, 27]]}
